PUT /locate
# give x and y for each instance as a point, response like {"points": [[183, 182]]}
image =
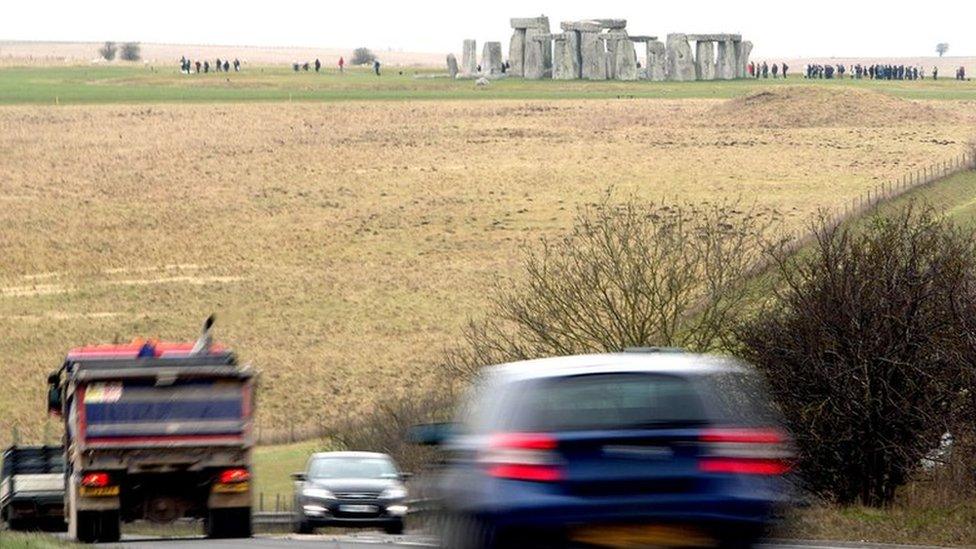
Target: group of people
{"points": [[764, 70], [317, 65], [876, 72], [187, 65]]}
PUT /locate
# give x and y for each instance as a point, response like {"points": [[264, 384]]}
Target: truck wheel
{"points": [[229, 523], [111, 529], [86, 526]]}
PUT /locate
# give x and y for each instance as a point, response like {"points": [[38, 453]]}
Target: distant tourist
{"points": [[218, 65], [198, 67], [226, 65], [318, 64], [237, 65], [376, 67], [342, 63], [305, 66], [206, 66], [775, 70], [935, 73], [785, 68]]}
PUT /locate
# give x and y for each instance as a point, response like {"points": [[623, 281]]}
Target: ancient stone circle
{"points": [[602, 49]]}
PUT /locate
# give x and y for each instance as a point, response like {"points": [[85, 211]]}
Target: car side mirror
{"points": [[433, 434], [300, 477], [405, 477], [54, 401]]}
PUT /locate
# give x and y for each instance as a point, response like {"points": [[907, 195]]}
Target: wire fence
{"points": [[885, 192]]}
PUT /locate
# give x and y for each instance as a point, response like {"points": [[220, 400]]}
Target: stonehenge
{"points": [[452, 65], [491, 59], [469, 58], [602, 49]]}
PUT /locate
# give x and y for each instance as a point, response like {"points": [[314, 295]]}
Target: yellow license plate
{"points": [[235, 488], [99, 492], [634, 536]]}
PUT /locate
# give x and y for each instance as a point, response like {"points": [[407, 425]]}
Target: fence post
{"points": [[261, 502]]}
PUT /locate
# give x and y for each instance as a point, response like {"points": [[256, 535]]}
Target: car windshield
{"points": [[608, 401], [351, 467]]}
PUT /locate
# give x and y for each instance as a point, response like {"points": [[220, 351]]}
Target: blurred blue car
{"points": [[648, 447]]}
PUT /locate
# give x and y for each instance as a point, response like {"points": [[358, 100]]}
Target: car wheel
{"points": [[302, 526], [464, 532], [394, 528]]}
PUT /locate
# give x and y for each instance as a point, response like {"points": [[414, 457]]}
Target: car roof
{"points": [[350, 455], [642, 361]]}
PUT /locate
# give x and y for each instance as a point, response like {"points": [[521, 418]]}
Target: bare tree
{"points": [[108, 50], [865, 347], [627, 275], [941, 48], [363, 56], [131, 51]]}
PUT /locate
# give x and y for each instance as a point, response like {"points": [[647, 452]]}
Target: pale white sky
{"points": [[785, 28]]}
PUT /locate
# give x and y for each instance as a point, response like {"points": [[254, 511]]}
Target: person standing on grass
{"points": [[318, 64], [935, 73], [198, 67], [237, 65], [775, 70], [785, 68], [226, 65], [218, 65], [342, 64], [206, 66], [376, 67]]}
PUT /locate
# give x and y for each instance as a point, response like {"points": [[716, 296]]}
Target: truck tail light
{"points": [[523, 456], [95, 480], [738, 451], [233, 476]]}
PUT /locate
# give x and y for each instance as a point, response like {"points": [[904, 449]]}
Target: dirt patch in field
{"points": [[816, 107]]}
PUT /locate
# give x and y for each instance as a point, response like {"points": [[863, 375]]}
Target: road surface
{"points": [[370, 540]]}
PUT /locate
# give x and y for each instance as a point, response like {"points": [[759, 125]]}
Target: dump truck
{"points": [[155, 431], [32, 488]]}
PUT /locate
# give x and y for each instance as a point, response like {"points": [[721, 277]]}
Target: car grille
{"points": [[357, 496]]}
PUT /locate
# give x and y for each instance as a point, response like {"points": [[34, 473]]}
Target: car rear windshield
{"points": [[740, 398], [608, 401], [351, 467]]}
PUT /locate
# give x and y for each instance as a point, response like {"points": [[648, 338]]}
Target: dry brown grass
{"points": [[342, 245]]}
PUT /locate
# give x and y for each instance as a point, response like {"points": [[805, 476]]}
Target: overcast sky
{"points": [[785, 28]]}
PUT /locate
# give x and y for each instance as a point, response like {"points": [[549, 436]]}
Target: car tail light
{"points": [[741, 451], [523, 456], [95, 480], [233, 476]]}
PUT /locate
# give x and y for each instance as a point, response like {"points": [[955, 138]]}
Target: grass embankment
{"points": [[20, 540], [86, 85]]}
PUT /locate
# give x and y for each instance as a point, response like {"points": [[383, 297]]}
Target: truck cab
{"points": [[155, 431], [32, 488]]}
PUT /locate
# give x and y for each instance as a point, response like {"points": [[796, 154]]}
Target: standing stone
{"points": [[566, 61], [491, 58], [516, 53], [625, 60], [705, 60], [742, 52], [452, 65], [680, 65], [469, 58], [538, 53], [725, 68], [594, 56], [657, 59]]}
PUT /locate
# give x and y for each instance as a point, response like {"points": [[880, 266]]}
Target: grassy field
{"points": [[115, 84], [342, 245]]}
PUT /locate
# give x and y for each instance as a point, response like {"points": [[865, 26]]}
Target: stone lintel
{"points": [[530, 23], [611, 23], [715, 37], [580, 26], [642, 38], [545, 37]]}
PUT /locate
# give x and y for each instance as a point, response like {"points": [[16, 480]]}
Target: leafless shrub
{"points": [[628, 274], [131, 51], [867, 348], [363, 56], [384, 429], [108, 51]]}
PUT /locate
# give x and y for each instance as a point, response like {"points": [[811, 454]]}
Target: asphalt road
{"points": [[370, 540]]}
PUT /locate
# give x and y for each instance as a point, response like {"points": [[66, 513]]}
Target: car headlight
{"points": [[317, 493], [394, 492]]}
